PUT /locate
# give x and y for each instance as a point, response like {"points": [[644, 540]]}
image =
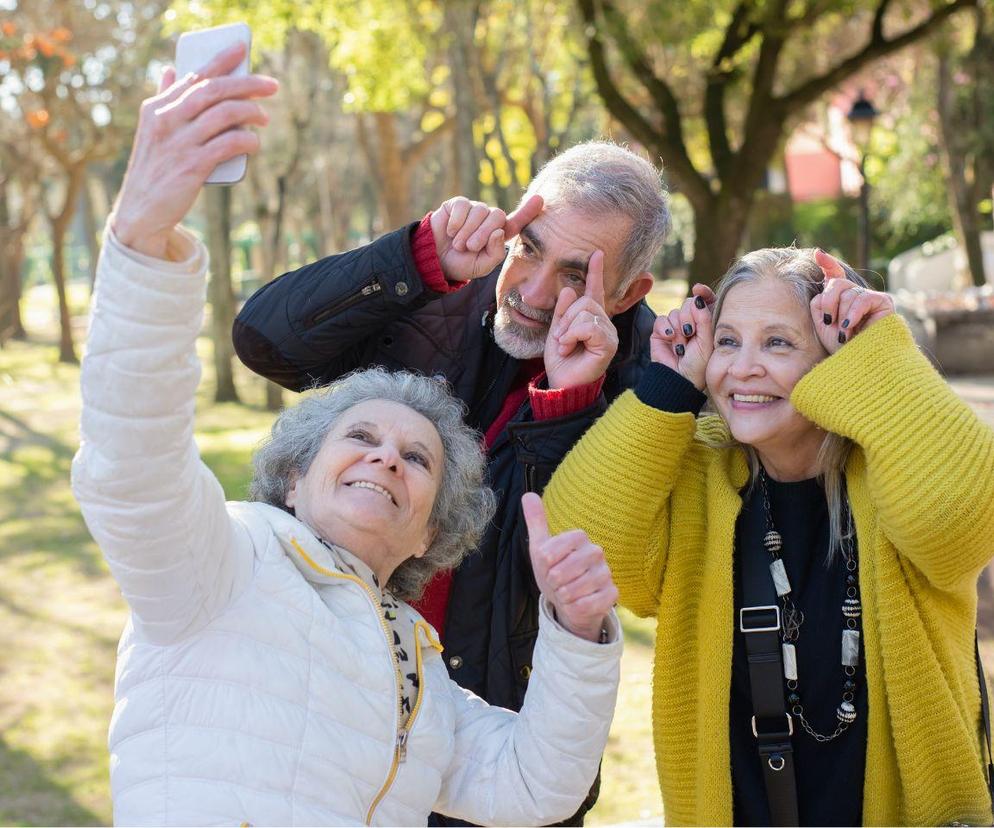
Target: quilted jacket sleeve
{"points": [[316, 323], [536, 767], [156, 511]]}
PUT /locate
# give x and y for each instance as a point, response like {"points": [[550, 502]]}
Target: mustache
{"points": [[514, 300]]}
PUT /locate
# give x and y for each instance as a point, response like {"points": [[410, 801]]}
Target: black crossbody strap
{"points": [[985, 712], [759, 619]]}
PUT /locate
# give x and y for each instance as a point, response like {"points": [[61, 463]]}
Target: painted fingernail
{"points": [[680, 350], [845, 323], [669, 332], [688, 329], [699, 301], [826, 318], [842, 338]]}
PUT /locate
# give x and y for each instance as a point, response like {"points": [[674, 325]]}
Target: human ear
{"points": [[635, 292], [291, 493], [431, 532]]}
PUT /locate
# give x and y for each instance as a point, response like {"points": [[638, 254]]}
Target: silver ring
{"points": [[858, 290], [597, 320]]}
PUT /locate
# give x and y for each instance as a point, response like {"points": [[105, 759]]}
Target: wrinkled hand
{"points": [[843, 308], [184, 131], [684, 339], [470, 235], [582, 340], [570, 571]]}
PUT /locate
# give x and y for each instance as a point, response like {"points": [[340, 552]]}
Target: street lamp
{"points": [[861, 117]]}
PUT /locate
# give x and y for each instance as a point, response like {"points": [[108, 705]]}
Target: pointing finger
{"points": [[535, 519], [523, 216], [829, 265], [595, 277], [567, 296]]}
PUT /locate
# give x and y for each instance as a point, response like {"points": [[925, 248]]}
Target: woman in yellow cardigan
{"points": [[843, 464]]}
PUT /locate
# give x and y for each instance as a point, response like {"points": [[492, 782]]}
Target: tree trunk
{"points": [[217, 201], [394, 178], [720, 226], [90, 231], [75, 175], [11, 259], [460, 20], [963, 195]]}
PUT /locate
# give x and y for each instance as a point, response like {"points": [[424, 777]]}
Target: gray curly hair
{"points": [[463, 506]]}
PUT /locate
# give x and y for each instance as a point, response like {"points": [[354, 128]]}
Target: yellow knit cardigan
{"points": [[647, 487]]}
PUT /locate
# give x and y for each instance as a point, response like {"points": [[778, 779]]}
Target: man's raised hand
{"points": [[571, 572], [189, 127], [470, 235], [582, 338]]}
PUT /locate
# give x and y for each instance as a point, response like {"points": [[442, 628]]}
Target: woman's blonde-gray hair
{"points": [[463, 505], [797, 268]]}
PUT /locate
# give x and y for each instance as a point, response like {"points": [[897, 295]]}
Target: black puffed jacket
{"points": [[369, 307]]}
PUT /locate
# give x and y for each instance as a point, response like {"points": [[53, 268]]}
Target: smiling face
{"points": [[371, 487], [549, 254], [764, 343]]}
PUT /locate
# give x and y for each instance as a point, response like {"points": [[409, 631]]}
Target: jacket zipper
{"points": [[400, 742], [347, 302], [400, 750]]}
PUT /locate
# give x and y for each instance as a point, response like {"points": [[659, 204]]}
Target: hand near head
{"points": [[582, 339], [684, 339], [571, 573], [184, 131], [843, 308], [470, 235]]}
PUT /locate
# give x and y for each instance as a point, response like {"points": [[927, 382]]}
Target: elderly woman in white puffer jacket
{"points": [[271, 672]]}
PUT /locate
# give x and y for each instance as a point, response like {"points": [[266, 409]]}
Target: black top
{"points": [[829, 775]]}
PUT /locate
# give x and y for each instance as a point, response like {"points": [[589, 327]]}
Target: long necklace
{"points": [[793, 618]]}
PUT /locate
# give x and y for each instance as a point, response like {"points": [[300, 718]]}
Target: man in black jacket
{"points": [[446, 298]]}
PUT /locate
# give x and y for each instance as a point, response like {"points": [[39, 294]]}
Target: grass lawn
{"points": [[61, 613]]}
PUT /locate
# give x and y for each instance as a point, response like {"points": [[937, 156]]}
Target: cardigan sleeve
{"points": [[930, 460], [156, 511], [616, 484]]}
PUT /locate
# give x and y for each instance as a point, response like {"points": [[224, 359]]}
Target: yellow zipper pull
{"points": [[402, 744]]}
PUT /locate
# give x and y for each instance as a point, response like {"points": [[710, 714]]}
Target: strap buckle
{"points": [[774, 733], [760, 619]]}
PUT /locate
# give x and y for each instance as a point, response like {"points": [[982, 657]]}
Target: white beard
{"points": [[515, 339]]}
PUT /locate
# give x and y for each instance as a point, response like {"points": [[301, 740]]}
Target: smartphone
{"points": [[194, 50]]}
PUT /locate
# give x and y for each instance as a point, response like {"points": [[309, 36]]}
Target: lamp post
{"points": [[861, 117]]}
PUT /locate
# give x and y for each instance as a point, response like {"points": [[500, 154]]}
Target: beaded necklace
{"points": [[793, 618]]}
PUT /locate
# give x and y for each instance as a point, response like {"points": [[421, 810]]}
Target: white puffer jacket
{"points": [[242, 696]]}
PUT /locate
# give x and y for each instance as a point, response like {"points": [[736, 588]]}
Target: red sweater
{"points": [[545, 405]]}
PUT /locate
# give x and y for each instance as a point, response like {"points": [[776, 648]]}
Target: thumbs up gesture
{"points": [[571, 573]]}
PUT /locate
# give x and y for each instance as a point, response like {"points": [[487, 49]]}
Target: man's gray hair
{"points": [[463, 506], [599, 177]]}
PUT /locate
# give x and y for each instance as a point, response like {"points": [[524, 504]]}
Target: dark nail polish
{"points": [[842, 338], [699, 302], [680, 350], [826, 318], [688, 329], [669, 332], [845, 323]]}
